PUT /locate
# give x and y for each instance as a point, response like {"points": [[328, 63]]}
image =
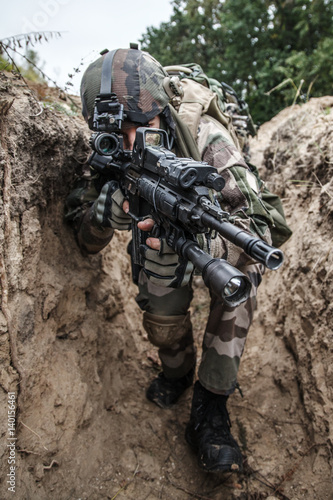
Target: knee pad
{"points": [[164, 331]]}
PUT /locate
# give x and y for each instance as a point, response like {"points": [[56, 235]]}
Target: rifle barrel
{"points": [[256, 248]]}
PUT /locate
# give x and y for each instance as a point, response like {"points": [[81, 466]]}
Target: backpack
{"points": [[218, 100], [226, 101]]}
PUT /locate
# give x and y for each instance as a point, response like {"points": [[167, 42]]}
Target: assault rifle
{"points": [[175, 192]]}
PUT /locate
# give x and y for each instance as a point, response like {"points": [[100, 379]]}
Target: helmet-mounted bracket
{"points": [[108, 112], [174, 89]]}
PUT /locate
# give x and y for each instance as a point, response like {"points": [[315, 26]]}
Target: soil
{"points": [[75, 360]]}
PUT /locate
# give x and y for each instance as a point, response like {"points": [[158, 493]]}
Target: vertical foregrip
{"points": [[135, 245]]}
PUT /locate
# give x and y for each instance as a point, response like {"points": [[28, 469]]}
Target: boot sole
{"points": [[221, 467], [228, 465]]}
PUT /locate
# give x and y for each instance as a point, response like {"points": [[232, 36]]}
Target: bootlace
{"points": [[215, 415]]}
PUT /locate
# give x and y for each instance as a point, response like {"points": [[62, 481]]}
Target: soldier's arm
{"points": [[241, 195], [79, 213]]}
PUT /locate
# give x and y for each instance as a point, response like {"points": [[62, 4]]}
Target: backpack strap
{"points": [[177, 69], [185, 141], [195, 102]]}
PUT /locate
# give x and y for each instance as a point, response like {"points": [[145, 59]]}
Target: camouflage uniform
{"points": [[166, 315], [227, 327]]}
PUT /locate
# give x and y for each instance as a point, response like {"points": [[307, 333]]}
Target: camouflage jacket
{"points": [[240, 196]]}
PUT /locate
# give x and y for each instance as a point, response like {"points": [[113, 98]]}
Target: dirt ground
{"points": [[75, 360]]}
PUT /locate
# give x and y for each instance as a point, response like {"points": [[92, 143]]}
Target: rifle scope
{"points": [[105, 144]]}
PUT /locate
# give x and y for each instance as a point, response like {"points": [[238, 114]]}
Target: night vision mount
{"points": [[107, 122], [108, 115]]}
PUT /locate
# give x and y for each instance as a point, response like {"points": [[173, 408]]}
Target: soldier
{"points": [[97, 207]]}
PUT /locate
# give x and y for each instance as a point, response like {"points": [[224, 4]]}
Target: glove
{"points": [[107, 210], [165, 268]]}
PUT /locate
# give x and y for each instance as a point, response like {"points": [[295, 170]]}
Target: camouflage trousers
{"points": [[167, 321]]}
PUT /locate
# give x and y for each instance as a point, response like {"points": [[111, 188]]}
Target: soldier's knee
{"points": [[164, 331]]}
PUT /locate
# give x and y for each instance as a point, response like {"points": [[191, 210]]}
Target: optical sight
{"points": [[106, 144]]}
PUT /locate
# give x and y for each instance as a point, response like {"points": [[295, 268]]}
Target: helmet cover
{"points": [[137, 80]]}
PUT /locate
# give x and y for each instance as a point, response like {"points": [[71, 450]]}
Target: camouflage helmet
{"points": [[137, 80]]}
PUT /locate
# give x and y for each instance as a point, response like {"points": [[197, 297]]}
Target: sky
{"points": [[86, 26]]}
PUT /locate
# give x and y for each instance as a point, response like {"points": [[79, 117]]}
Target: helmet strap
{"points": [[106, 77]]}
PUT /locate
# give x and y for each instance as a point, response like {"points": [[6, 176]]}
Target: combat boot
{"points": [[208, 433], [165, 392]]}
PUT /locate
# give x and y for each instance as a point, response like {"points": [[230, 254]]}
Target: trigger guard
{"points": [[156, 231]]}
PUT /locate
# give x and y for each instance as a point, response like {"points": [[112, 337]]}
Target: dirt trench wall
{"points": [[298, 165], [57, 306], [72, 349]]}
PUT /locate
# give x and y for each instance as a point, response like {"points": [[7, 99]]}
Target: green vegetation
{"points": [[27, 68], [273, 53]]}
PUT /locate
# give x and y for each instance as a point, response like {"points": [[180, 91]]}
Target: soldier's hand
{"points": [[162, 265], [109, 210], [147, 225]]}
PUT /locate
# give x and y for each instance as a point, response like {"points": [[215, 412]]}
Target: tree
{"points": [[264, 49], [187, 37]]}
